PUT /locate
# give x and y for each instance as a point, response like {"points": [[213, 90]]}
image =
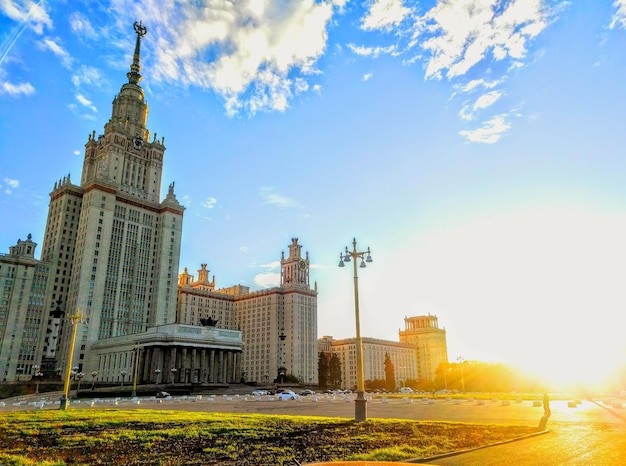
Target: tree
{"points": [[322, 370], [390, 374], [334, 371]]}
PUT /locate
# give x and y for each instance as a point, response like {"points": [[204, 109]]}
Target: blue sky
{"points": [[475, 145]]}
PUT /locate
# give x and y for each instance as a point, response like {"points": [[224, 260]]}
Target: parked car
{"points": [[260, 392], [307, 392], [287, 395], [163, 395], [406, 390]]}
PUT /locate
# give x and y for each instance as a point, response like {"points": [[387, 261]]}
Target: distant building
{"points": [[402, 355], [23, 295], [430, 342], [278, 325]]}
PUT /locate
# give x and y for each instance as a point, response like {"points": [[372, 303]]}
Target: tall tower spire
{"points": [[133, 75]]}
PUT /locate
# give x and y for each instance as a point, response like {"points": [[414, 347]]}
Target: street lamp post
{"points": [[461, 360], [137, 352], [123, 374], [157, 372], [360, 404], [94, 374], [173, 371], [68, 366]]}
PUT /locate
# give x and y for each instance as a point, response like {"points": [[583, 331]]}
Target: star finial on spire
{"points": [[133, 75]]}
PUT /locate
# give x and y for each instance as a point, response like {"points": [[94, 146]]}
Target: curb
{"points": [[467, 450]]}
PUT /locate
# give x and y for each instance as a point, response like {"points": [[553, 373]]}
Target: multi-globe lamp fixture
{"points": [[360, 404]]}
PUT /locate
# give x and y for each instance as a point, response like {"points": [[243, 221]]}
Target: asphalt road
{"points": [[588, 433]]}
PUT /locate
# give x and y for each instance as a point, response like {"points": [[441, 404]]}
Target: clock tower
{"points": [[294, 271], [124, 157]]}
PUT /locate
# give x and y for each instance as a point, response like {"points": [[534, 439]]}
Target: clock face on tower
{"points": [[137, 143], [302, 264]]}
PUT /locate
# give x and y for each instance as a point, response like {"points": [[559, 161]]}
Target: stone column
{"points": [[220, 368], [212, 366], [229, 367], [183, 366], [193, 367], [154, 364], [172, 365], [147, 364], [237, 366], [203, 363]]}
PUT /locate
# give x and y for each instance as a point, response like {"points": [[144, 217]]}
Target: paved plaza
{"points": [[580, 432]]}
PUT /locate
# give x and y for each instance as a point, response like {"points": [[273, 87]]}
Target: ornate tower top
{"points": [[133, 75], [295, 269]]}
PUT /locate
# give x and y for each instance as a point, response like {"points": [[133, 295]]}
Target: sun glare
{"points": [[537, 289]]}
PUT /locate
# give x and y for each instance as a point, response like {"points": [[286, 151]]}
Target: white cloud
{"points": [[462, 33], [383, 14], [86, 103], [487, 100], [478, 83], [269, 278], [270, 197], [209, 203], [367, 76], [11, 184], [27, 12], [59, 51], [255, 55], [373, 52], [16, 90], [87, 75], [619, 17], [490, 132], [484, 101], [82, 26]]}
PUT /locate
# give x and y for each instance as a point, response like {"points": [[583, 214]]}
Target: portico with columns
{"points": [[173, 353]]}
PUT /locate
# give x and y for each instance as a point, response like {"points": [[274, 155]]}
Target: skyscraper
{"points": [[113, 246]]}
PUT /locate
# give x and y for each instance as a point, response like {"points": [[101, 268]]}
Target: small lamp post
{"points": [[360, 404], [173, 371], [37, 375], [157, 372], [123, 374], [79, 377], [94, 374]]}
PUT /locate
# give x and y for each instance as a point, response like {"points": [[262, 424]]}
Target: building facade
{"points": [[278, 325], [23, 302], [429, 341], [402, 355]]}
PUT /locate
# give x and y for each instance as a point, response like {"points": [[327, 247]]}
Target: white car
{"points": [[259, 392], [287, 395]]}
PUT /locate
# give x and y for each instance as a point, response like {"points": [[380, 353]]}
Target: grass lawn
{"points": [[155, 437]]}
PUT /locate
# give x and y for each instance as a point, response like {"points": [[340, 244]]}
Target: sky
{"points": [[473, 145]]}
